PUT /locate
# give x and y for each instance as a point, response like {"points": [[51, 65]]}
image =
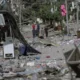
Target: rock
{"points": [[18, 70]]}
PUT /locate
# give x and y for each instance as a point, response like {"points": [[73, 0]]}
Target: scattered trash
{"points": [[44, 78], [38, 58], [30, 63], [64, 71], [31, 66], [47, 56]]}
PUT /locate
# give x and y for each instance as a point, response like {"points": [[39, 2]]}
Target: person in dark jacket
{"points": [[2, 33], [46, 31], [38, 29]]}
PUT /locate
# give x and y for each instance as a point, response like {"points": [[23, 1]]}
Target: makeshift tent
{"points": [[16, 32], [73, 60]]}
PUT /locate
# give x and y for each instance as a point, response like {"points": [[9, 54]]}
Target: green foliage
{"points": [[45, 12]]}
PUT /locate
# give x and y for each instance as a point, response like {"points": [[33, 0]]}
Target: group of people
{"points": [[38, 31]]}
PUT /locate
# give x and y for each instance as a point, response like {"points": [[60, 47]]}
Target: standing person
{"points": [[42, 33], [2, 34], [33, 31], [38, 29], [46, 31], [7, 28]]}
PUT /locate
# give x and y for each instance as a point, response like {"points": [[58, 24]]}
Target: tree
{"points": [[46, 14], [42, 9]]}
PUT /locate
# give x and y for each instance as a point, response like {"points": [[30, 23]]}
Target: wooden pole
{"points": [[20, 8], [67, 17], [77, 14]]}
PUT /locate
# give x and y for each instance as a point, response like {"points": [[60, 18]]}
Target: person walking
{"points": [[38, 29], [42, 33], [46, 31], [33, 31]]}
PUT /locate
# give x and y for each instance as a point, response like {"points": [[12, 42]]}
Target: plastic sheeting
{"points": [[2, 21]]}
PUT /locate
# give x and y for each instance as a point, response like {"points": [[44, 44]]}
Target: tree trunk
{"points": [[51, 22]]}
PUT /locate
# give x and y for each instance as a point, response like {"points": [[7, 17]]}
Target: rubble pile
{"points": [[50, 65], [42, 70]]}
